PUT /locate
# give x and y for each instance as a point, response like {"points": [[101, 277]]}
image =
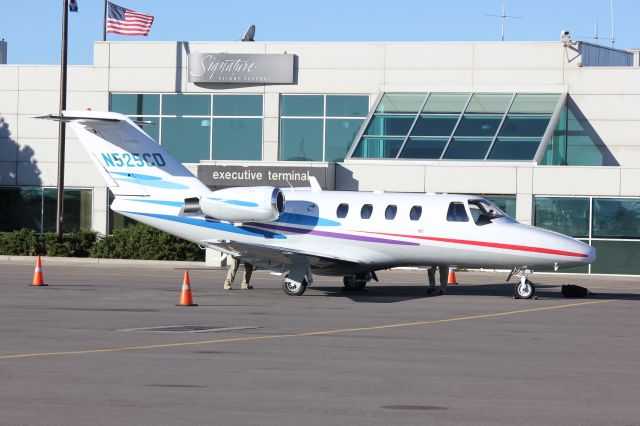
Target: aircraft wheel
{"points": [[294, 288], [525, 290], [351, 282]]}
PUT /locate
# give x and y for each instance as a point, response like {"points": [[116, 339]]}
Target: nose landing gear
{"points": [[525, 288]]}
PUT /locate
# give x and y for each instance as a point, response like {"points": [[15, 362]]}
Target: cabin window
{"points": [[415, 213], [342, 211], [366, 211], [457, 213], [390, 212]]}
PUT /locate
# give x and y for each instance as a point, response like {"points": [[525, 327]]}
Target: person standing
{"points": [[444, 277], [234, 264]]}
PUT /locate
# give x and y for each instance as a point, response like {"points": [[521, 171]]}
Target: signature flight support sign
{"points": [[227, 176], [240, 68]]}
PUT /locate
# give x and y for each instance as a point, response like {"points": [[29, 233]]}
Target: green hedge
{"points": [[144, 242], [135, 242]]}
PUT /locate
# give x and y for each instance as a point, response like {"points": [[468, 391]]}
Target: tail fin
{"points": [[130, 162]]}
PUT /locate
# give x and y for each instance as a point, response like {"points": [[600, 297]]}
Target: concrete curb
{"points": [[93, 261]]}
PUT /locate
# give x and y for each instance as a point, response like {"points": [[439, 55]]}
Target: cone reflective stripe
{"points": [[452, 277], [186, 298], [38, 277]]}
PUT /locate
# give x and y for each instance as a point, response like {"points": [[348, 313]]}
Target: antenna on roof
{"points": [[250, 33], [613, 35], [503, 16], [596, 36]]}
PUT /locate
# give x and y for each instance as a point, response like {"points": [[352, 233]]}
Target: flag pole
{"points": [[104, 22], [61, 124]]}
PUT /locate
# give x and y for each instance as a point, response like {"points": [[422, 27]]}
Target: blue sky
{"points": [[32, 28]]}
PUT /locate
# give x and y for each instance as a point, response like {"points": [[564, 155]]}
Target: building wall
{"points": [[607, 101]]}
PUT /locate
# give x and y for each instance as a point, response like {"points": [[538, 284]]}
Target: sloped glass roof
{"points": [[458, 126]]}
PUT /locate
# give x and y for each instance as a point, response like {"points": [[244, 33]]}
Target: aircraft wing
{"points": [[280, 259]]}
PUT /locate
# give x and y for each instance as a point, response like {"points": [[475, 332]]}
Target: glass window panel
{"points": [[153, 129], [616, 218], [443, 103], [49, 209], [237, 105], [415, 213], [506, 203], [237, 139], [478, 125], [77, 209], [339, 138], [514, 149], [390, 212], [180, 104], [187, 139], [457, 213], [77, 206], [522, 126], [378, 148], [496, 103], [135, 104], [366, 211], [302, 106], [401, 103], [347, 106], [617, 257], [20, 208], [569, 216], [584, 146], [390, 125], [434, 125], [467, 149], [424, 148], [581, 152], [342, 210], [301, 139], [534, 103]]}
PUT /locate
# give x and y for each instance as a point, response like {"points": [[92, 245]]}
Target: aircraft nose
{"points": [[590, 251]]}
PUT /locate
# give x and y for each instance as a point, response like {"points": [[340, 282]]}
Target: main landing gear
{"points": [[294, 288], [525, 288], [358, 281], [297, 279]]}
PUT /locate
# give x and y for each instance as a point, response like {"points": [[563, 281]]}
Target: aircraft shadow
{"points": [[399, 293]]}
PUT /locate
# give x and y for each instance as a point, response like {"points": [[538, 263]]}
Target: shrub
{"points": [[25, 242], [144, 242], [136, 242]]}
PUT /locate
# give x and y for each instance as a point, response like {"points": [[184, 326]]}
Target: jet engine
{"points": [[248, 204]]}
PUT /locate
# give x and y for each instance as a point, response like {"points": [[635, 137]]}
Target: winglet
{"points": [[315, 186]]}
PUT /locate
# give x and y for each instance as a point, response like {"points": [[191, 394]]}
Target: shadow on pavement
{"points": [[399, 293]]}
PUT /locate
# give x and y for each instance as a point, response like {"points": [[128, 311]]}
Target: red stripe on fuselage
{"points": [[487, 244]]}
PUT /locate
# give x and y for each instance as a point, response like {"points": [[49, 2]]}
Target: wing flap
{"points": [[280, 259]]}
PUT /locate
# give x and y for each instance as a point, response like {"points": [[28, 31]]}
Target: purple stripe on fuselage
{"points": [[282, 228]]}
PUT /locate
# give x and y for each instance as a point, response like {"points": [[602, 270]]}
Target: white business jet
{"points": [[304, 231]]}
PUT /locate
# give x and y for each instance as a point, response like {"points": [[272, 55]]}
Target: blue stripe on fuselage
{"points": [[214, 224]]}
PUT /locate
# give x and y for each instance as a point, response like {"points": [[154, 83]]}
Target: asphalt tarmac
{"points": [[87, 350]]}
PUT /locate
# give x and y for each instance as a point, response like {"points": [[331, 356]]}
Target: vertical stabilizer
{"points": [[129, 160]]}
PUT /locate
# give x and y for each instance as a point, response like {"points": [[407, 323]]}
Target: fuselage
{"points": [[381, 230]]}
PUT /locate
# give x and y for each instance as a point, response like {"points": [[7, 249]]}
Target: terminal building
{"points": [[549, 131]]}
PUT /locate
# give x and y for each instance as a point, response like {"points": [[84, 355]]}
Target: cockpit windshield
{"points": [[483, 212]]}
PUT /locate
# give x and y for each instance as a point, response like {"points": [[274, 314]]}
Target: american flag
{"points": [[123, 21]]}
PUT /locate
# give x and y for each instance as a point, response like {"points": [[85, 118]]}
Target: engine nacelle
{"points": [[246, 204]]}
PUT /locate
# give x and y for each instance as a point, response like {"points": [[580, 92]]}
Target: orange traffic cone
{"points": [[38, 278], [186, 298], [452, 277]]}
